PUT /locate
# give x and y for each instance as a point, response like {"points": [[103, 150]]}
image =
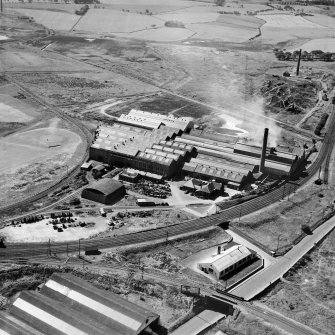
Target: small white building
{"points": [[225, 261]]}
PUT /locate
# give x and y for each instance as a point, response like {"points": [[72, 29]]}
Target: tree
{"points": [[306, 229], [75, 202], [220, 3], [295, 54], [288, 55]]}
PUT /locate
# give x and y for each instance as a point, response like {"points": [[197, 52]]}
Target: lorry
{"points": [[145, 202]]}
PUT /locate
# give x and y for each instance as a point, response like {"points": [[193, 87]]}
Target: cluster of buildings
{"points": [[168, 146], [68, 305]]}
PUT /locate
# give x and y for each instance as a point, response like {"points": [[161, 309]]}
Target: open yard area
{"points": [[43, 231]]}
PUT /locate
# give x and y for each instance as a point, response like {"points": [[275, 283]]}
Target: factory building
{"points": [[149, 120], [168, 146], [105, 191], [225, 261], [67, 305]]}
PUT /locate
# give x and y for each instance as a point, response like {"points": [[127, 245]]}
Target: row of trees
{"points": [[308, 56]]}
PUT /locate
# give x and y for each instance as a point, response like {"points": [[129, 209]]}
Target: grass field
{"points": [[51, 19], [161, 34], [240, 21], [217, 31], [282, 28], [285, 21], [191, 17], [322, 20], [110, 21], [324, 44]]}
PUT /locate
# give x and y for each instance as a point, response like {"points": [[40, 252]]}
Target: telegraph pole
{"points": [[1, 9]]}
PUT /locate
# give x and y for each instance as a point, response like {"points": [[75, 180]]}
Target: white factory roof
{"points": [[228, 257], [68, 305], [155, 120]]}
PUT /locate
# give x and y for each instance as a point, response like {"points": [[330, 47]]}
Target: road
{"points": [[259, 282]]}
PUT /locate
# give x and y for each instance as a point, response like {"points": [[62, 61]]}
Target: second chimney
{"points": [[265, 143]]}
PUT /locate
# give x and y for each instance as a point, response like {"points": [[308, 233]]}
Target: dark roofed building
{"points": [[202, 188], [105, 191], [67, 305]]}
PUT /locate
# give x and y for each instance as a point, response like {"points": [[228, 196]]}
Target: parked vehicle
{"points": [[145, 202], [102, 212]]}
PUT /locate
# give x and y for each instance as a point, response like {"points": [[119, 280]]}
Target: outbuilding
{"points": [[105, 191], [226, 261]]}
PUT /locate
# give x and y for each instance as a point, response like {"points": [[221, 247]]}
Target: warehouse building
{"points": [[225, 261], [149, 120], [105, 191], [67, 305], [167, 146], [133, 147]]}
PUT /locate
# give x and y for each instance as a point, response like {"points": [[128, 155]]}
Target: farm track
{"points": [[75, 124]]}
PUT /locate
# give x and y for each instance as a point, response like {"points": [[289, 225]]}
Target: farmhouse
{"points": [[227, 261], [68, 305], [201, 188], [105, 191]]}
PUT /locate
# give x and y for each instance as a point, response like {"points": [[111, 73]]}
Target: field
{"points": [[108, 21], [37, 146], [133, 21], [51, 19], [322, 20], [324, 44], [119, 56], [283, 28], [161, 34], [221, 32]]}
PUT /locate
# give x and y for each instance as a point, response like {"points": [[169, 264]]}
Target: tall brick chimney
{"points": [[298, 65], [265, 143]]}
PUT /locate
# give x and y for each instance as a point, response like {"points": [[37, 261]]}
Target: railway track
{"points": [[33, 249], [175, 280], [83, 131]]}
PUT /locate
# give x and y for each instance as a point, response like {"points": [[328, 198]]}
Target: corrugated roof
{"points": [[9, 325], [105, 186], [68, 305]]}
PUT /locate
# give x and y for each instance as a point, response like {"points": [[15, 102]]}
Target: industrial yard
{"points": [[170, 163]]}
